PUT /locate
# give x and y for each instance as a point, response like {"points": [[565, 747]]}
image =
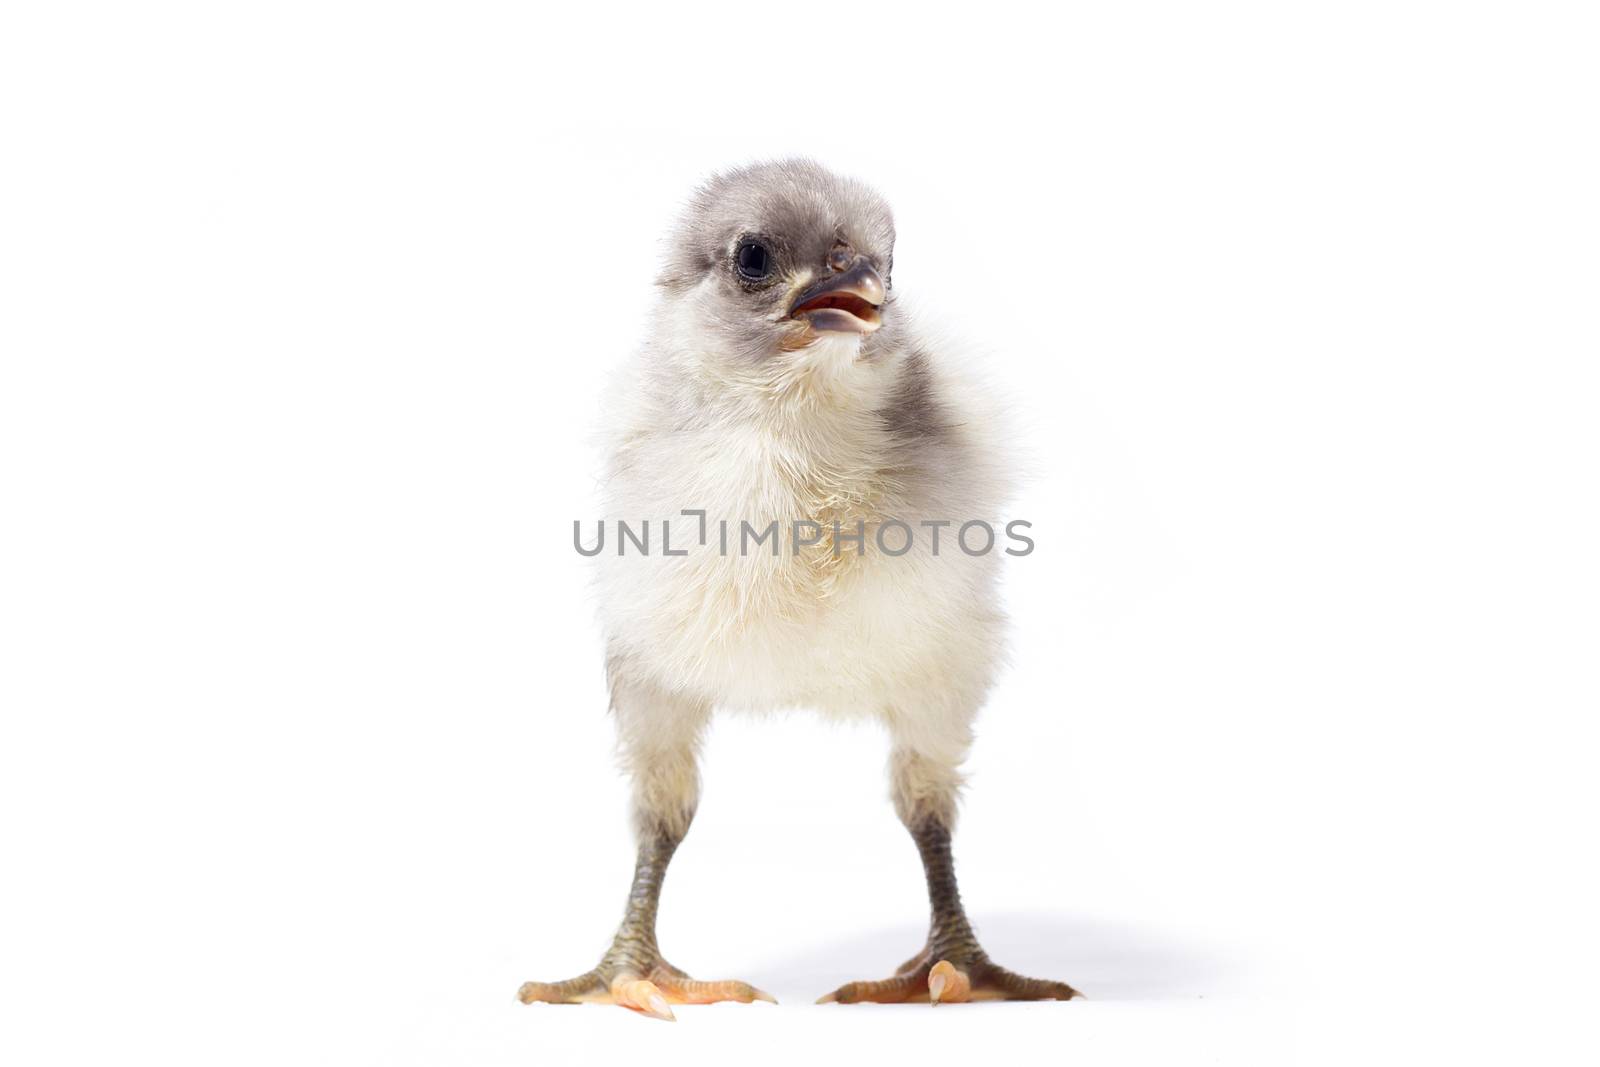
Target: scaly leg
{"points": [[658, 735], [953, 967], [633, 973]]}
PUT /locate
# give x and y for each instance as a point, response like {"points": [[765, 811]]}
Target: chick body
{"points": [[846, 630]]}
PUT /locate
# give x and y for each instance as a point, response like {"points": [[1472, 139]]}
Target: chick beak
{"points": [[847, 301]]}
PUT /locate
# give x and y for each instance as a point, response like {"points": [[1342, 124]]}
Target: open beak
{"points": [[847, 301]]}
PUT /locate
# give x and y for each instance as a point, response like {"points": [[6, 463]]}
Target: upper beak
{"points": [[848, 300]]}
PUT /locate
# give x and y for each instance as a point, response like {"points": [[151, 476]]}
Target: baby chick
{"points": [[812, 468]]}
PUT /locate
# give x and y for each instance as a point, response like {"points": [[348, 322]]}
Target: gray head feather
{"points": [[799, 211]]}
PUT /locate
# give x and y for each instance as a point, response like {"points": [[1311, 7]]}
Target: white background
{"points": [[305, 312]]}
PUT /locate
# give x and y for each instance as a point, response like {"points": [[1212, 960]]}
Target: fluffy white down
{"points": [[912, 640]]}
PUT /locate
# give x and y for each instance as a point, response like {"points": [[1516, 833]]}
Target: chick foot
{"points": [[648, 990], [932, 977]]}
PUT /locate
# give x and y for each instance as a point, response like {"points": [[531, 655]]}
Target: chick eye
{"points": [[752, 260]]}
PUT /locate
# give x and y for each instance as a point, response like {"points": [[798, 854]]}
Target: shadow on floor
{"points": [[1105, 960]]}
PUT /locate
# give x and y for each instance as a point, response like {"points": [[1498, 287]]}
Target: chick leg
{"points": [[658, 736], [633, 972], [952, 967]]}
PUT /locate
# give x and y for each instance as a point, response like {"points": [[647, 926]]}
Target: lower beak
{"points": [[848, 302]]}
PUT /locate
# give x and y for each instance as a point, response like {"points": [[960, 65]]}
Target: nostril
{"points": [[839, 260]]}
